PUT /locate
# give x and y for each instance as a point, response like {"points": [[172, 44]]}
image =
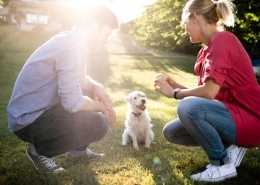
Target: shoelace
{"points": [[211, 170], [232, 157], [48, 162]]}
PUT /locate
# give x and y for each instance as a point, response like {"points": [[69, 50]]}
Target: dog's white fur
{"points": [[137, 124]]}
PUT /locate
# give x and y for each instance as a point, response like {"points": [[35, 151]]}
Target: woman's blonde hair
{"points": [[219, 12]]}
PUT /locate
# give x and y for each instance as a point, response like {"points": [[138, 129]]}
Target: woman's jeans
{"points": [[206, 123], [57, 131]]}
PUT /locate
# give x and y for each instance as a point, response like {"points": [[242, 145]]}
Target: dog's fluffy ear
{"points": [[128, 98]]}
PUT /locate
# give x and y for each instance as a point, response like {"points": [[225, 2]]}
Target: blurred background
{"points": [[145, 26]]}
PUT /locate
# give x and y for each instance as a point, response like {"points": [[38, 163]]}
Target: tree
{"points": [[159, 26], [247, 26]]}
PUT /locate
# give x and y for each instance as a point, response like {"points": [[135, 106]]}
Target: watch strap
{"points": [[175, 91], [175, 95]]}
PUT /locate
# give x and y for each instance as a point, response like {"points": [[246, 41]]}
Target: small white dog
{"points": [[137, 124]]}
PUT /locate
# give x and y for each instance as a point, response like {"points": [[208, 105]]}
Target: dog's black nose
{"points": [[143, 101]]}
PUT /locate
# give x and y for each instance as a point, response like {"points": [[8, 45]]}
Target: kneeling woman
{"points": [[221, 114]]}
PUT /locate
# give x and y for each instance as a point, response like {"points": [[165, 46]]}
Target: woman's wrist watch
{"points": [[175, 92]]}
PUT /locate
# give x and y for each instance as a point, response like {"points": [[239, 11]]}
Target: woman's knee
{"points": [[174, 132], [170, 129], [167, 132], [187, 105]]}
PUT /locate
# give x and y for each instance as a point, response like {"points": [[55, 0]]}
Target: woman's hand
{"points": [[161, 85], [165, 85], [170, 81]]}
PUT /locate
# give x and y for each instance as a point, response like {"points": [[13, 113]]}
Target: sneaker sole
{"points": [[233, 175], [240, 156]]}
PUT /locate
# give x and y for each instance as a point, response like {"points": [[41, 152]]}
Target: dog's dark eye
{"points": [[134, 98]]}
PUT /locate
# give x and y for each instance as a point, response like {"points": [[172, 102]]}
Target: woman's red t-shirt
{"points": [[226, 62]]}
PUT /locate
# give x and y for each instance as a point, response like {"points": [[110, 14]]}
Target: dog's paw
{"points": [[147, 146], [136, 147]]}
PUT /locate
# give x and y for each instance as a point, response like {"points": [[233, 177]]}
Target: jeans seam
{"points": [[195, 112]]}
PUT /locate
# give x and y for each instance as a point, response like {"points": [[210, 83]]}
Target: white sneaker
{"points": [[236, 154], [216, 173]]}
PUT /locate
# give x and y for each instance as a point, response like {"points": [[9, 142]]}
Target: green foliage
{"points": [[159, 27], [247, 26]]}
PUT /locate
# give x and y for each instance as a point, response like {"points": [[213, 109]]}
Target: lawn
{"points": [[120, 74]]}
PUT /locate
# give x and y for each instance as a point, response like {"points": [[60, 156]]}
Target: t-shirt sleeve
{"points": [[217, 61]]}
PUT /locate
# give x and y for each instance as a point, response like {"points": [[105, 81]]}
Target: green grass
{"points": [[120, 74]]}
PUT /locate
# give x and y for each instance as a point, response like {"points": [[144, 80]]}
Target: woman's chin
{"points": [[194, 41]]}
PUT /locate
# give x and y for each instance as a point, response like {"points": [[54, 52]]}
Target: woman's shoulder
{"points": [[224, 35], [223, 38]]}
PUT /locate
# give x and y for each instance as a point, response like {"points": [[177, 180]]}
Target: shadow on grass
{"points": [[17, 169], [160, 168], [183, 63]]}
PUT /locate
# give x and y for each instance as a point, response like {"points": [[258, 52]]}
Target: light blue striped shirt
{"points": [[50, 77]]}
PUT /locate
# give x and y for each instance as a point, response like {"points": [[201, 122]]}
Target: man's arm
{"points": [[101, 102], [88, 84]]}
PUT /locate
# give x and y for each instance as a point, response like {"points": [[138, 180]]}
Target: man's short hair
{"points": [[97, 13]]}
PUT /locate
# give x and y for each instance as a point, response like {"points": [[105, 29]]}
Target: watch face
{"points": [[177, 89]]}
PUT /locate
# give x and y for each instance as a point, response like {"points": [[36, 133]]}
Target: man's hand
{"points": [[111, 116], [101, 95]]}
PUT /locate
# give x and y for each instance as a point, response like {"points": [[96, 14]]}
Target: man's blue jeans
{"points": [[206, 123], [57, 131]]}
